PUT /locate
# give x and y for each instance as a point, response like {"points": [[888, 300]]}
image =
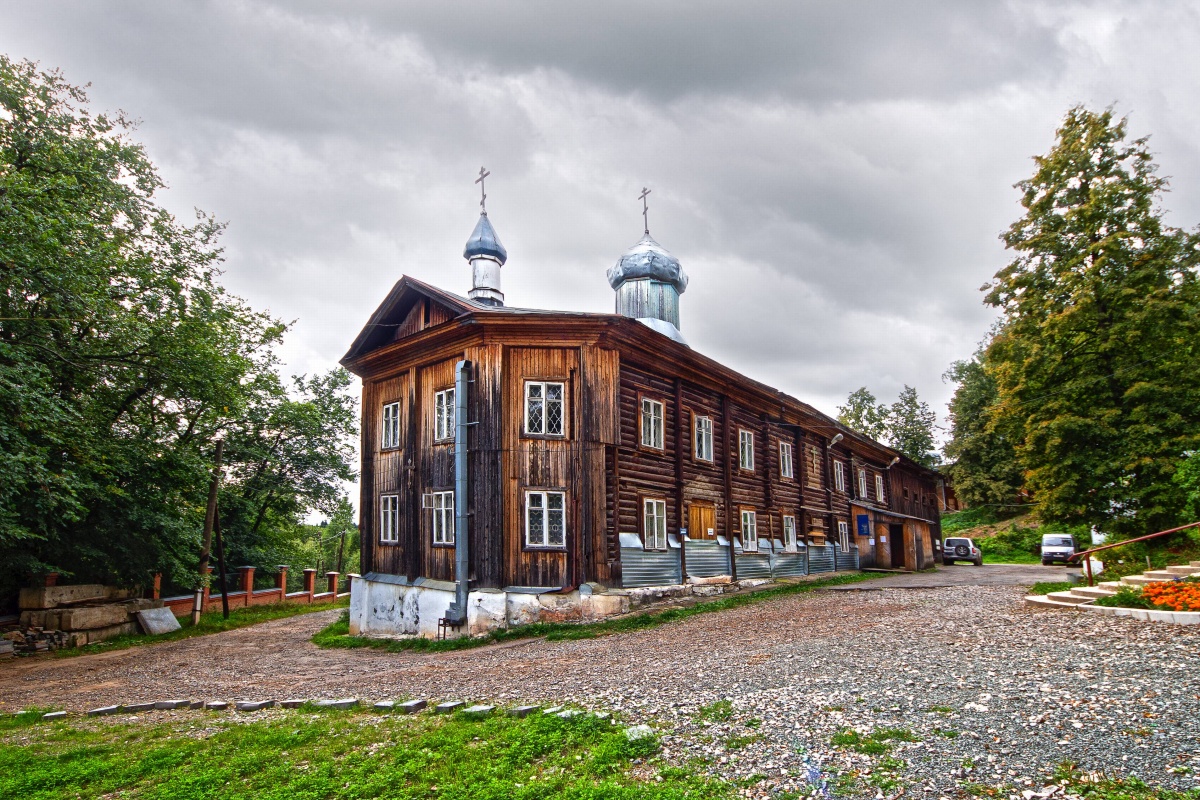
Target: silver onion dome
{"points": [[485, 242], [648, 260]]}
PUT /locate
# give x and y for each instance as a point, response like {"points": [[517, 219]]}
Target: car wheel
{"points": [[1046, 563]]}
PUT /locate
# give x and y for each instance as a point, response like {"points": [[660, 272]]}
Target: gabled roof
{"points": [[381, 327]]}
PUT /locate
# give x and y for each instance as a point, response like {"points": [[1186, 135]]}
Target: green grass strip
{"points": [[341, 755], [338, 634], [210, 622]]}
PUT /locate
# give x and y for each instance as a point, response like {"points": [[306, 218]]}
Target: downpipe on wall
{"points": [[456, 615]]}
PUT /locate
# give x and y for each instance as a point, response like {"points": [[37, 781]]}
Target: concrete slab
{"points": [[412, 706], [103, 711], [344, 704], [479, 711], [254, 705], [385, 705], [170, 705], [157, 621], [448, 707], [137, 708], [522, 711], [292, 703], [216, 705], [53, 715]]}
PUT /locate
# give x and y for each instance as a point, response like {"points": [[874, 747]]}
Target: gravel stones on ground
{"points": [[989, 692]]}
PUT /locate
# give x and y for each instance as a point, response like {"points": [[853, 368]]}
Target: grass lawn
{"points": [[331, 755], [338, 634], [210, 622]]}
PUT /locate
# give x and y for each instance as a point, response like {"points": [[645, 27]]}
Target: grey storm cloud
{"points": [[833, 176]]}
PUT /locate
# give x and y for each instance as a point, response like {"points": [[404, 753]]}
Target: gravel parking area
{"points": [[987, 690]]}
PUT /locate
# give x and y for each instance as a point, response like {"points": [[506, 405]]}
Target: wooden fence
{"points": [[247, 595]]}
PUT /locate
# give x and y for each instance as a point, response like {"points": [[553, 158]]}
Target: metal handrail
{"points": [[1088, 563]]}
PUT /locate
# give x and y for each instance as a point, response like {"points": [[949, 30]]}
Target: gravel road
{"points": [[991, 691]]}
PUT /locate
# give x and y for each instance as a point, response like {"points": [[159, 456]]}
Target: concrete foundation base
{"points": [[389, 608]]}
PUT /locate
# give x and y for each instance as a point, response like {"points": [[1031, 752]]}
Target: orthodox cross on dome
{"points": [[645, 209], [483, 173]]}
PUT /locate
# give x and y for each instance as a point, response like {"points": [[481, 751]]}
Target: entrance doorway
{"points": [[896, 542], [702, 522]]}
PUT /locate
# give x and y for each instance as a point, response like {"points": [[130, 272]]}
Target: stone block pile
{"points": [[54, 617]]}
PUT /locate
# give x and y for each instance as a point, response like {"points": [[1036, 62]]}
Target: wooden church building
{"points": [[522, 464]]}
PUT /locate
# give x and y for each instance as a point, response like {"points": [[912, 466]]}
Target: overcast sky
{"points": [[833, 176]]}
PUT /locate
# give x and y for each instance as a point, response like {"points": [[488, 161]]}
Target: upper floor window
{"points": [[785, 459], [879, 488], [704, 438], [789, 532], [839, 476], [749, 531], [844, 535], [544, 413], [389, 518], [443, 517], [391, 426], [443, 415], [654, 524], [545, 519], [746, 450], [862, 484], [652, 423]]}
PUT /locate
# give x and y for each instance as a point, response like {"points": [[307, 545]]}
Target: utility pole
{"points": [[206, 546]]}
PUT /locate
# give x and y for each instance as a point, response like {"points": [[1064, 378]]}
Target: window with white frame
{"points": [[391, 426], [443, 517], [789, 532], [704, 438], [545, 519], [746, 450], [652, 423], [544, 412], [749, 531], [879, 488], [389, 518], [839, 476], [443, 415], [654, 524], [785, 459], [862, 484], [844, 535]]}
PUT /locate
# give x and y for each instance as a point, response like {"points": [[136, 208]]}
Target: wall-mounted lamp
{"points": [[895, 461], [834, 440]]}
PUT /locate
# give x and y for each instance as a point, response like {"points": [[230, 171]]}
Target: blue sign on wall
{"points": [[864, 525]]}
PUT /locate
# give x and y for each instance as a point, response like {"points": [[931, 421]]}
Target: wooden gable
{"points": [[410, 307]]}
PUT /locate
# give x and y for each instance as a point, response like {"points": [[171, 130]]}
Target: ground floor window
{"points": [[443, 517], [389, 518], [844, 535], [545, 519], [749, 531], [654, 524], [789, 533]]}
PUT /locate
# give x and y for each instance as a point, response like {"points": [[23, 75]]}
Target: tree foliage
{"points": [[122, 359], [1096, 360], [907, 425]]}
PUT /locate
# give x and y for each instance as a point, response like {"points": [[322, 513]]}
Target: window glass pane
{"points": [[554, 408], [556, 520], [534, 417]]}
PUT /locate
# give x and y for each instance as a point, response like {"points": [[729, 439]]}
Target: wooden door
{"points": [[702, 522], [896, 540]]}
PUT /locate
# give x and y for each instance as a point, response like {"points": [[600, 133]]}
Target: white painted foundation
{"points": [[388, 609]]}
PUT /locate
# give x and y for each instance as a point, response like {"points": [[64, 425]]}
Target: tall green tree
{"points": [[1097, 358], [910, 428], [122, 358], [982, 448], [865, 414]]}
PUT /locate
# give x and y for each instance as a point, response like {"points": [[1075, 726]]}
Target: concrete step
{"points": [[1195, 563], [1139, 580], [1111, 585], [1069, 597], [1043, 601], [1183, 571], [1159, 574], [1093, 592]]}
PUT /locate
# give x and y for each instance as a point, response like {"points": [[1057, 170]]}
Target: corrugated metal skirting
{"points": [[706, 558], [753, 565], [820, 559], [789, 565], [649, 567], [847, 559]]}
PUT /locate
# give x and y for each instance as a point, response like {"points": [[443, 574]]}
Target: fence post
{"points": [[333, 582], [310, 583], [281, 582], [207, 589], [247, 582], [156, 587], [351, 577]]}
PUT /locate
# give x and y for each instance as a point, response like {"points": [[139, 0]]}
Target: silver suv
{"points": [[1057, 547], [960, 549]]}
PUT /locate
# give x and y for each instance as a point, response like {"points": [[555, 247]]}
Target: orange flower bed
{"points": [[1173, 595]]}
